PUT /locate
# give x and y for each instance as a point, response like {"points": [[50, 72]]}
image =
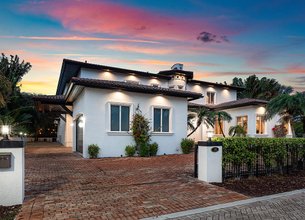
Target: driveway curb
{"points": [[226, 205]]}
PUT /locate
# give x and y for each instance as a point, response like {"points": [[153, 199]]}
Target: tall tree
{"points": [[5, 90], [14, 69], [264, 88], [290, 108]]}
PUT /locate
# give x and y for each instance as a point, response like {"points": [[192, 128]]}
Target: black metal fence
{"points": [[259, 161]]}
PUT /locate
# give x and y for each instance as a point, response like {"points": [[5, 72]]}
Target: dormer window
{"points": [[210, 98]]}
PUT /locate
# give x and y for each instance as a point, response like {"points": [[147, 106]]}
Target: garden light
{"points": [[210, 135], [5, 131]]}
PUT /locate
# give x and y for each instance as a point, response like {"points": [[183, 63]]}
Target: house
{"points": [[95, 105]]}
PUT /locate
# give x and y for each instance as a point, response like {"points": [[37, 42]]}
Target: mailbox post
{"points": [[210, 161], [11, 172]]}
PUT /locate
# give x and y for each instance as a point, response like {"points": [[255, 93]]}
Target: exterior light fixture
{"points": [[82, 122], [210, 135], [5, 130]]}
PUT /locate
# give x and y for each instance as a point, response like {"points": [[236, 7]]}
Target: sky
{"points": [[217, 39]]}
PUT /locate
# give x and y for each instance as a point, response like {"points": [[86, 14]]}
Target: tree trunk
{"points": [[303, 122], [223, 134], [193, 130]]}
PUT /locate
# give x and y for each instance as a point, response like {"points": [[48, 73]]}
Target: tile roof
{"points": [[132, 87], [50, 99], [232, 104]]}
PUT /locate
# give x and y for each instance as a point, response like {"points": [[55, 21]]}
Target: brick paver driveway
{"points": [[62, 185], [282, 208]]}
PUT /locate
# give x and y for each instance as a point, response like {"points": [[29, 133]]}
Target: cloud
{"points": [[79, 38], [138, 49], [105, 17], [207, 37]]}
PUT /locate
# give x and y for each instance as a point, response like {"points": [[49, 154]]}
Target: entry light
{"points": [[210, 135]]}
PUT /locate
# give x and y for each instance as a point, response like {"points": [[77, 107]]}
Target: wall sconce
{"points": [[5, 130], [210, 135]]}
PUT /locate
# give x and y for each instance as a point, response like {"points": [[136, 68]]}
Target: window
{"points": [[260, 124], [243, 122], [217, 127], [211, 98], [161, 120], [119, 118]]}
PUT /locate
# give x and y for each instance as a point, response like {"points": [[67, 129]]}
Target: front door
{"points": [[79, 135]]}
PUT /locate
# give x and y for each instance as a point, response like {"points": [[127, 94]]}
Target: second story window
{"points": [[210, 98], [119, 118]]}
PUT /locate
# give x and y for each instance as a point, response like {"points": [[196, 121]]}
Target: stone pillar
{"points": [[210, 161], [11, 172]]}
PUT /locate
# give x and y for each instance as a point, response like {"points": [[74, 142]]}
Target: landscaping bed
{"points": [[266, 185], [9, 212]]}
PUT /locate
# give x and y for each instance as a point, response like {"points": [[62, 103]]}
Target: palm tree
{"points": [[222, 116], [238, 131], [5, 90], [203, 115], [263, 88], [289, 107]]}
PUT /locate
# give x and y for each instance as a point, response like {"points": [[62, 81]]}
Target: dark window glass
{"points": [[124, 118], [157, 120], [115, 118], [165, 120]]}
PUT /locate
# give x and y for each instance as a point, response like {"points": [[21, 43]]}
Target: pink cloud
{"points": [[106, 17], [139, 49]]}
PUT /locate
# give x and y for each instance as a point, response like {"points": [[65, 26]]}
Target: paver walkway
{"points": [[62, 185], [284, 206]]}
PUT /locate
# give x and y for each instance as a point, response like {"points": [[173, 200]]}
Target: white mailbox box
{"points": [[210, 161], [11, 172]]}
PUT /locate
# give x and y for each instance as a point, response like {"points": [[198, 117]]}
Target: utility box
{"points": [[5, 160], [210, 161]]}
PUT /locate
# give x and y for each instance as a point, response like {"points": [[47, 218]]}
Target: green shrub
{"points": [[130, 150], [153, 149], [186, 145], [93, 150], [144, 150], [273, 151]]}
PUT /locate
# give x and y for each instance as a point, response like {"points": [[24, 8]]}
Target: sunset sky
{"points": [[216, 39]]}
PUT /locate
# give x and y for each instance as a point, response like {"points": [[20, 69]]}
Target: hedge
{"points": [[240, 151]]}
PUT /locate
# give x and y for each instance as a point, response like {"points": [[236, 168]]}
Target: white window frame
{"points": [[214, 97], [109, 117], [169, 121], [264, 121]]}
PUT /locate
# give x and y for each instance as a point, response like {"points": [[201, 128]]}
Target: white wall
{"points": [[12, 179], [221, 94], [105, 75], [64, 131], [94, 105]]}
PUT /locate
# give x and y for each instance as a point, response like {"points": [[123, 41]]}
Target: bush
{"points": [[144, 150], [186, 145], [93, 150], [153, 149], [279, 131], [130, 150]]}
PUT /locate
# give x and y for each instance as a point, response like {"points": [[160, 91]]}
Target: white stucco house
{"points": [[96, 103]]}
